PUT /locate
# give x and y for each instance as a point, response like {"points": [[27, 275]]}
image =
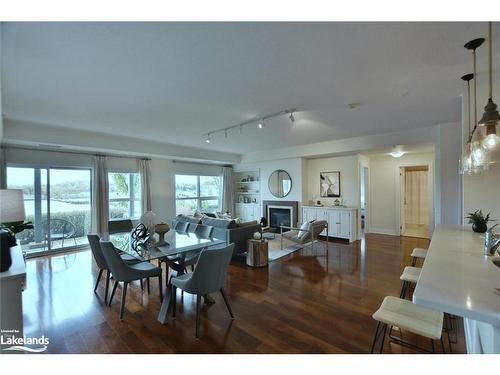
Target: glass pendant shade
{"points": [[479, 154], [466, 166], [491, 140]]}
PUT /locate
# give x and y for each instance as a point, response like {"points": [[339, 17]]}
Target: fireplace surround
{"points": [[281, 213]]}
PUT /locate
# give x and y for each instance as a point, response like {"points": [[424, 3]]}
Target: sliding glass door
{"points": [[57, 201]]}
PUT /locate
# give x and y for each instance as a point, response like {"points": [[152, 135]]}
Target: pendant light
{"points": [[466, 160], [491, 117], [479, 154]]}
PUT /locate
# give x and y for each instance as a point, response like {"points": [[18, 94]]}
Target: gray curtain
{"points": [[144, 166], [100, 196], [3, 168], [227, 190]]}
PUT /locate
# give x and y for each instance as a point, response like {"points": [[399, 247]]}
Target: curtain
{"points": [[3, 168], [417, 199], [100, 196], [227, 190], [144, 166]]}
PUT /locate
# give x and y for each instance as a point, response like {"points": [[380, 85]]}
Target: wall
{"points": [[294, 167], [162, 172], [483, 192], [384, 189]]}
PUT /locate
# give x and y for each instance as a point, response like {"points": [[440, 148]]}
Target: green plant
{"points": [[477, 217]]}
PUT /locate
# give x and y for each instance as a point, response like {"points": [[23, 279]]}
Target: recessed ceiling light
{"points": [[208, 138], [261, 124]]}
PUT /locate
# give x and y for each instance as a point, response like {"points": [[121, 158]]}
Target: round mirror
{"points": [[280, 183]]}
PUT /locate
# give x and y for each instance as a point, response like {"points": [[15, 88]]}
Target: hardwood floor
{"points": [[302, 303]]}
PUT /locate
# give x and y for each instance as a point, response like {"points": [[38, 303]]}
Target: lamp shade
{"points": [[11, 205]]}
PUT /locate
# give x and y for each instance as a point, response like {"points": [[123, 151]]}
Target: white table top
{"points": [[458, 278], [18, 267]]}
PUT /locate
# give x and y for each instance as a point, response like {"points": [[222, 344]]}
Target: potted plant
{"points": [[479, 221]]}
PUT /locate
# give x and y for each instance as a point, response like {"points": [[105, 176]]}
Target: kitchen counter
{"points": [[458, 278]]}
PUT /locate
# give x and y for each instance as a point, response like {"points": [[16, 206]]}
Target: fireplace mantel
{"points": [[293, 204]]}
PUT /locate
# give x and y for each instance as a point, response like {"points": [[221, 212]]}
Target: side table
{"points": [[257, 254]]}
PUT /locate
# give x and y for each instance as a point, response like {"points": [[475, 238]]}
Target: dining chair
{"points": [[208, 277], [192, 227], [204, 231], [120, 226], [125, 273], [101, 263], [181, 226]]}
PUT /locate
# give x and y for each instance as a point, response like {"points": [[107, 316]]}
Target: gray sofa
{"points": [[227, 230]]}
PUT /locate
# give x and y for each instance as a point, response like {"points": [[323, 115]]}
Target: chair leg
{"points": [[198, 306], [173, 291], [98, 279], [375, 337], [142, 285], [383, 339], [124, 297], [147, 283], [432, 346], [113, 293], [413, 262], [227, 302], [108, 275], [160, 286]]}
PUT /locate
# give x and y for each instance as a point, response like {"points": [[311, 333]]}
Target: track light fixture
{"points": [[260, 121]]}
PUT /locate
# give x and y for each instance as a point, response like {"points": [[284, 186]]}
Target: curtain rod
{"points": [[88, 153], [200, 163]]}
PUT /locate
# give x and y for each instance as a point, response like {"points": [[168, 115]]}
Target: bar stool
{"points": [[409, 276], [409, 317], [418, 253]]}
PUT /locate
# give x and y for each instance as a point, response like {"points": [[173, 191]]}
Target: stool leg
{"points": [[433, 348], [442, 344], [375, 338], [403, 290], [413, 262], [383, 339]]}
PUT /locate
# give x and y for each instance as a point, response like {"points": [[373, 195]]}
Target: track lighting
{"points": [[260, 121]]}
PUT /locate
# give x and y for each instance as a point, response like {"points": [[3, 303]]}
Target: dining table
{"points": [[172, 250]]}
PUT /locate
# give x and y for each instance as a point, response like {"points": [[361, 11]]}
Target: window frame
{"points": [[130, 199], [198, 198]]}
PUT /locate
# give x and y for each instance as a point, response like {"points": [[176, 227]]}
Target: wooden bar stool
{"points": [[409, 317], [418, 253], [409, 276]]}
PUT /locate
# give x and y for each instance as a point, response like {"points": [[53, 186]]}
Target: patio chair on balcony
{"points": [[59, 230]]}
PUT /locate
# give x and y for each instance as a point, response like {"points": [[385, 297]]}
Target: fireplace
{"points": [[280, 213]]}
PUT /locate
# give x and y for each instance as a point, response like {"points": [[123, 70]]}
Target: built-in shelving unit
{"points": [[247, 187]]}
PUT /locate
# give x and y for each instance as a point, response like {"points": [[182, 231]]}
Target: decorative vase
{"points": [[162, 229], [479, 227], [257, 236]]}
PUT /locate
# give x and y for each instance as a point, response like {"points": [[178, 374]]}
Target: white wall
{"points": [[349, 178], [384, 189], [483, 192]]}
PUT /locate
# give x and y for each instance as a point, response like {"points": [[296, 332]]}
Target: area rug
{"points": [[275, 251]]}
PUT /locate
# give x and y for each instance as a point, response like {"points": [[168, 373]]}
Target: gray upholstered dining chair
{"points": [[192, 227], [100, 260], [208, 277], [204, 231], [120, 226], [125, 273], [306, 233], [181, 226]]}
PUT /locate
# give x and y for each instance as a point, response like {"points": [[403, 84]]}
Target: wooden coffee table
{"points": [[258, 253]]}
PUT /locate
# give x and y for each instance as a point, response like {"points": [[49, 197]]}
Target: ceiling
{"points": [[174, 82]]}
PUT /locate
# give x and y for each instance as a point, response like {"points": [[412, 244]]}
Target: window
{"points": [[57, 201], [124, 195], [192, 192]]}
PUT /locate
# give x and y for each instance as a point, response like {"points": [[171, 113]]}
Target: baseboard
{"points": [[390, 232]]}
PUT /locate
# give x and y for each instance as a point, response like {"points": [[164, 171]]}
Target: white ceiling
{"points": [[173, 82]]}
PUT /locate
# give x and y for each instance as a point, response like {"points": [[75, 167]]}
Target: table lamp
{"points": [[12, 217]]}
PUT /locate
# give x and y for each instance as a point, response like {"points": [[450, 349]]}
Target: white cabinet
{"points": [[248, 211], [342, 221]]}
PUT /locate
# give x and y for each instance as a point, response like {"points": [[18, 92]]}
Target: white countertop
{"points": [[18, 267], [458, 278], [333, 207]]}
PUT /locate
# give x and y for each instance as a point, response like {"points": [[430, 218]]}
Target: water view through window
{"points": [[57, 201]]}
